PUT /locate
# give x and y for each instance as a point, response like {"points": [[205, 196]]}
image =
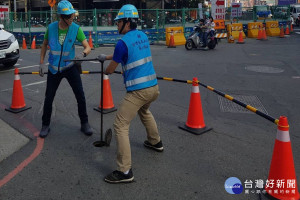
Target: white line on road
{"points": [[97, 62], [21, 68], [30, 84]]}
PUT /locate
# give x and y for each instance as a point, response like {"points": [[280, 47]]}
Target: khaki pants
{"points": [[134, 102]]}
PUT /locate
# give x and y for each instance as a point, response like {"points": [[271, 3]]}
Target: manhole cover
{"points": [[264, 69], [229, 106]]}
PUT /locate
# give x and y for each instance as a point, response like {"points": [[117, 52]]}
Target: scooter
{"points": [[194, 41]]}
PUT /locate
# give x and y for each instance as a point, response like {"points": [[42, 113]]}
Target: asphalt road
{"points": [[265, 74]]}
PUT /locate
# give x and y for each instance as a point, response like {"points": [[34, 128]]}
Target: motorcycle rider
{"points": [[201, 25], [210, 25]]}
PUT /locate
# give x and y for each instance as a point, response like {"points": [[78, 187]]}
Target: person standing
{"points": [[133, 52], [61, 36]]}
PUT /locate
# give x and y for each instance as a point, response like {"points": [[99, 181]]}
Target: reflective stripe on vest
{"points": [[57, 53], [137, 63], [140, 80], [61, 68]]}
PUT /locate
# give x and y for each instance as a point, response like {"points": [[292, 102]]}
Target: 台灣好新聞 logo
{"points": [[233, 185]]}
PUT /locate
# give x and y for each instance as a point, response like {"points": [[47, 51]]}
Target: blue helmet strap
{"points": [[123, 26], [65, 21]]}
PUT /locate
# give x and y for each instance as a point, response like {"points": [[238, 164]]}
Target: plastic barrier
{"points": [[178, 33], [234, 30], [253, 28], [272, 28]]}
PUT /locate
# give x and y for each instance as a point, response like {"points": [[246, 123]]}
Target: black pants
{"points": [[53, 81]]}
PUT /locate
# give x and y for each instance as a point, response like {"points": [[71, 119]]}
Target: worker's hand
{"points": [[78, 57], [101, 57], [42, 68]]}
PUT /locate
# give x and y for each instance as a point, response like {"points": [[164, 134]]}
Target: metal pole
{"points": [[15, 9]]}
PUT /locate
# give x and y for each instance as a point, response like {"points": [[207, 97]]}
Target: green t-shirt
{"points": [[62, 35]]}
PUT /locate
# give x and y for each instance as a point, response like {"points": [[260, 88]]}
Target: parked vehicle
{"points": [[194, 41], [295, 13], [9, 48], [262, 11]]}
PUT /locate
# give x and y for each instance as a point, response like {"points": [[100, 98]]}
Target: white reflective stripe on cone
{"points": [[195, 89], [283, 136], [105, 77], [17, 77]]}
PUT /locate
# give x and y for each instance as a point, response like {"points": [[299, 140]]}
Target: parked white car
{"points": [[9, 48], [295, 13]]}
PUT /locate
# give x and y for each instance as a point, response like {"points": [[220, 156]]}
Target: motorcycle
{"points": [[194, 41]]}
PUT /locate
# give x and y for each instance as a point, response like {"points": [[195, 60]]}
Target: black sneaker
{"points": [[157, 147], [44, 131], [119, 177], [86, 129]]}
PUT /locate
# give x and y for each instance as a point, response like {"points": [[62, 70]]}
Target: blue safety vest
{"points": [[138, 71], [58, 53]]}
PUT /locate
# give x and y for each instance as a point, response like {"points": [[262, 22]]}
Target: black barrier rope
{"points": [[248, 107]]}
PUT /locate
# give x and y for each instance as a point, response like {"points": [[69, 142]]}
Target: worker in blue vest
{"points": [[133, 52], [61, 36]]}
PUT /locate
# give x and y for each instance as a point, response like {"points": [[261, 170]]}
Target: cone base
{"points": [[13, 110], [171, 46], [240, 42], [196, 131], [105, 111]]}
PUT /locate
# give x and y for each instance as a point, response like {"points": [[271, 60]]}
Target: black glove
{"points": [[101, 57]]}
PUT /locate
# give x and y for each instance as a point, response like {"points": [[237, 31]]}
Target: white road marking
{"points": [[21, 68], [30, 84]]}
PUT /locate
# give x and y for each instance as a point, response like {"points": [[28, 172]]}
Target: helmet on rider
{"points": [[65, 10], [128, 13]]}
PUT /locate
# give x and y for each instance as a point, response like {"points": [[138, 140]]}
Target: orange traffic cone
{"points": [[195, 121], [281, 32], [91, 41], [287, 30], [108, 104], [259, 36], [282, 177], [241, 39], [24, 46], [18, 103], [292, 29], [33, 43], [172, 42], [264, 35]]}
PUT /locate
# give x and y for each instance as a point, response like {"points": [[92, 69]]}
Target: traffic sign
{"points": [[218, 9], [51, 2]]}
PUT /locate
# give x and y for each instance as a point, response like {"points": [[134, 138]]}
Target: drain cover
{"points": [[264, 69], [229, 106]]}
